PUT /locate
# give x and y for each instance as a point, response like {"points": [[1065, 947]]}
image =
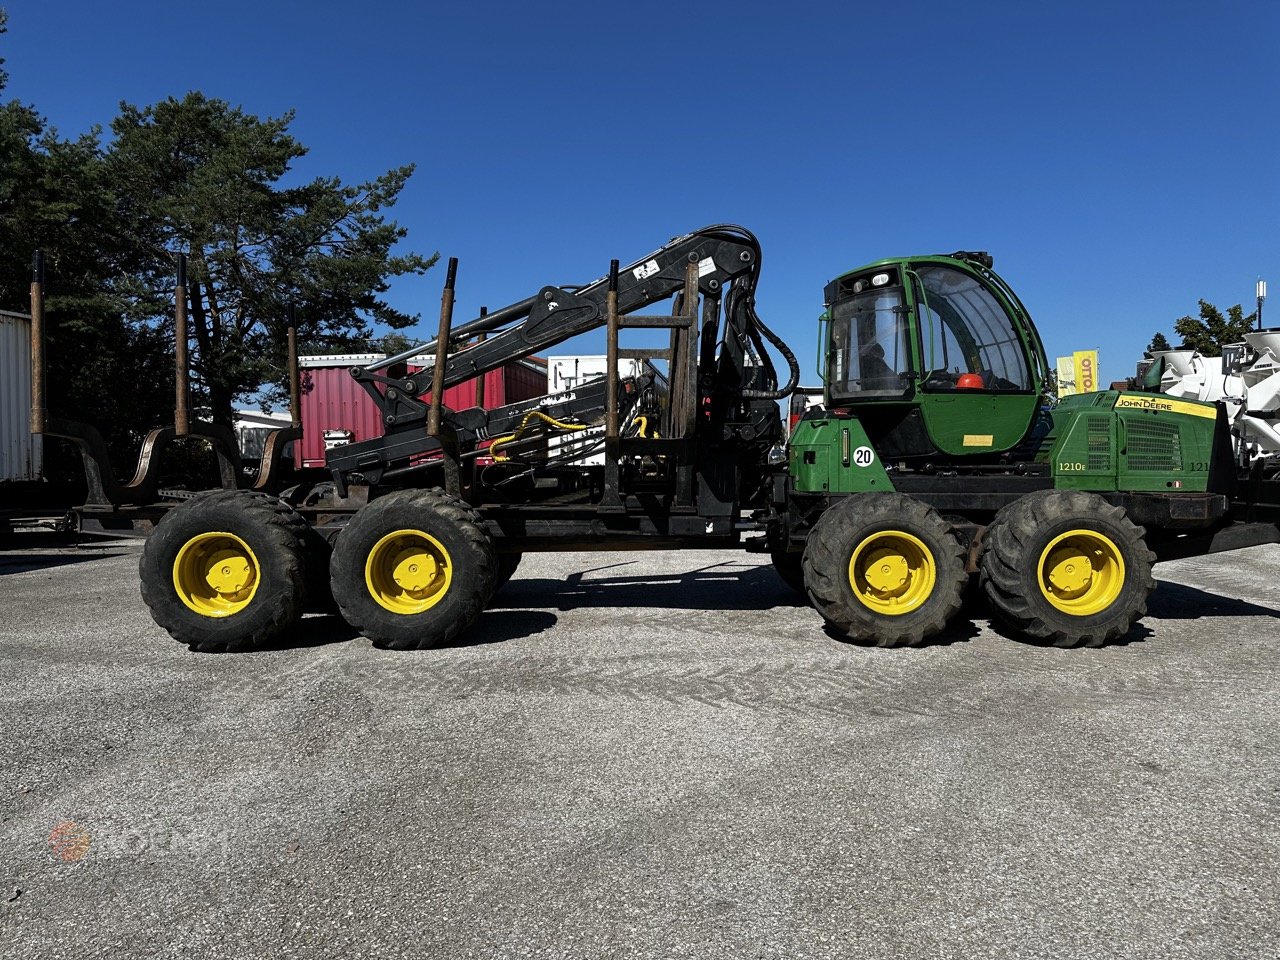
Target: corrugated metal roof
{"points": [[341, 360]]}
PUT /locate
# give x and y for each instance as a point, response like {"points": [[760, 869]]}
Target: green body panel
{"points": [[960, 423], [831, 456], [1149, 443], [1082, 444]]}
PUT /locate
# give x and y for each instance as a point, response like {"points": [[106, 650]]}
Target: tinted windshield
{"points": [[868, 347]]}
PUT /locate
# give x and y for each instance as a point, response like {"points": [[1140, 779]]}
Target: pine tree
{"points": [[198, 175]]}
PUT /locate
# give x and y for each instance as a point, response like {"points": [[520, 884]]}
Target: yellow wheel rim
{"points": [[216, 574], [892, 572], [408, 571], [1081, 572]]}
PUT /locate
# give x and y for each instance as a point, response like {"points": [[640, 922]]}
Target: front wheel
{"points": [[413, 569], [1066, 567], [885, 568]]}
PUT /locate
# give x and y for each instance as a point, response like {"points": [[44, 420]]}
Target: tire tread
{"points": [[1007, 547], [286, 531], [826, 559]]}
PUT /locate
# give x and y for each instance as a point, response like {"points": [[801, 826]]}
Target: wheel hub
{"points": [[1081, 572], [415, 570], [888, 573], [229, 572], [215, 574], [408, 571], [892, 572], [1070, 572]]}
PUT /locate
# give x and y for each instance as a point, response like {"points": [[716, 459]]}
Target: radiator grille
{"points": [[1099, 441], [1152, 445]]}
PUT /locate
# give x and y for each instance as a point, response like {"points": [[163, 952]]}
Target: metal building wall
{"points": [[20, 452]]}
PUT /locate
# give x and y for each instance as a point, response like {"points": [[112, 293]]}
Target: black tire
{"points": [[790, 569], [508, 563], [457, 582], [275, 570], [1015, 568], [869, 522]]}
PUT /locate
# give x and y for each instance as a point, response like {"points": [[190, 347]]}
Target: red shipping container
{"points": [[336, 409]]}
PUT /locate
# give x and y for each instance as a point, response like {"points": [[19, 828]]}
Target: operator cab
{"points": [[933, 354]]}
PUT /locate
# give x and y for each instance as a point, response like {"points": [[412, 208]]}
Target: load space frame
{"points": [[685, 451]]}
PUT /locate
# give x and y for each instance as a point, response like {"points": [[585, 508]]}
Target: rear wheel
{"points": [[884, 567], [413, 569], [226, 571], [1066, 567]]}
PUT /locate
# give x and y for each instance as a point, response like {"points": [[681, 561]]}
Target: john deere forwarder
{"points": [[939, 453]]}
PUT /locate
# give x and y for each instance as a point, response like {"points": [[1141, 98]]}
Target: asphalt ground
{"points": [[647, 755]]}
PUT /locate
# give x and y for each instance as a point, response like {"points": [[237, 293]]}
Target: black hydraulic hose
{"points": [[756, 326], [761, 355], [794, 367]]}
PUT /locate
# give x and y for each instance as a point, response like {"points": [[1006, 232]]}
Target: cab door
{"points": [[977, 394]]}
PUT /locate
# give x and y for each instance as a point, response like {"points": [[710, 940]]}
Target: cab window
{"points": [[869, 347], [964, 329]]}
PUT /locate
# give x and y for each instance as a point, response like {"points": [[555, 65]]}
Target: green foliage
{"points": [[1158, 342], [54, 195], [1211, 331], [4, 28], [202, 176], [192, 175], [394, 343]]}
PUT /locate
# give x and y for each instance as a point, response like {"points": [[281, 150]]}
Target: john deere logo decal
{"points": [[1165, 405]]}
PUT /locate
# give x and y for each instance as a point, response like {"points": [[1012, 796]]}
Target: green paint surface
{"points": [[960, 423], [1096, 447], [835, 456]]}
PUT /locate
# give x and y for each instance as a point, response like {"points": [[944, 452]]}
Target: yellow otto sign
{"points": [[1086, 364], [1165, 405]]}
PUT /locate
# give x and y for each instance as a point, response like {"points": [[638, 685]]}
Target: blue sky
{"points": [[1118, 159]]}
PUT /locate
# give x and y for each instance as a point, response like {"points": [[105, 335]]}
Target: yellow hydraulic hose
{"points": [[531, 415], [642, 428]]}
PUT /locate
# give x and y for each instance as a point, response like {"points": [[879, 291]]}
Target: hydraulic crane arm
{"points": [[726, 255]]}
